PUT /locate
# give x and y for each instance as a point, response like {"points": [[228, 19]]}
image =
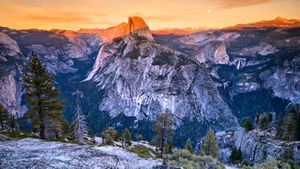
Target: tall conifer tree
{"points": [[163, 126], [4, 117], [290, 130], [127, 137], [45, 108], [189, 146], [209, 145], [80, 126]]}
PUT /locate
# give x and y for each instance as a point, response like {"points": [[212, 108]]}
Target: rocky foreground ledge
{"points": [[35, 153]]}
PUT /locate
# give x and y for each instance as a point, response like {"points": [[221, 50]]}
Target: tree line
{"points": [[287, 127]]}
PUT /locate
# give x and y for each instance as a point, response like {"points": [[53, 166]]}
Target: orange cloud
{"points": [[56, 18], [239, 3], [160, 17], [75, 14]]}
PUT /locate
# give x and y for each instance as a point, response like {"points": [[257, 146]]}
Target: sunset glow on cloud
{"points": [[75, 14]]}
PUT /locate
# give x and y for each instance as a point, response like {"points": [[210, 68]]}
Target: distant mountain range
{"points": [[128, 73], [277, 22]]}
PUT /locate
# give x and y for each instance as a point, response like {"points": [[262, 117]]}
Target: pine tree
{"points": [[163, 127], [13, 123], [264, 120], [4, 117], [127, 137], [209, 146], [298, 127], [247, 124], [236, 155], [45, 109], [280, 129], [169, 147], [80, 127], [66, 129], [290, 129], [189, 146]]}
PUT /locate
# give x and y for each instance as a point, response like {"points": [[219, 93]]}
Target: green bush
{"points": [[271, 163], [109, 135], [236, 156], [144, 151], [184, 153], [139, 137], [20, 135], [184, 158], [189, 146]]}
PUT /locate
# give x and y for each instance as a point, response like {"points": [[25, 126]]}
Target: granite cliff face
{"points": [[255, 145], [10, 61], [256, 69], [141, 78]]}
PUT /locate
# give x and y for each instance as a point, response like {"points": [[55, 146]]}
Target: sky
{"points": [[158, 14]]}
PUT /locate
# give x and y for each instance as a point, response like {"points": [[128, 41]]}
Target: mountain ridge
{"points": [[277, 22], [124, 30], [204, 77]]}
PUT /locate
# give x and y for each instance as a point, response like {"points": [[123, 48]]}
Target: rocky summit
{"points": [[206, 78], [135, 25]]}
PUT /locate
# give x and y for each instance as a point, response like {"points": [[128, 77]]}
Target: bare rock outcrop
{"points": [[255, 145], [135, 25]]}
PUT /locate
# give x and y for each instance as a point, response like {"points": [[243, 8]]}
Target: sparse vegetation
{"points": [[247, 124], [169, 147], [21, 134], [187, 160], [189, 146], [209, 146], [236, 156], [139, 137], [127, 137], [4, 117], [144, 151], [291, 126], [163, 59], [80, 130], [271, 163], [280, 127], [163, 127], [264, 120], [133, 54], [109, 135]]}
